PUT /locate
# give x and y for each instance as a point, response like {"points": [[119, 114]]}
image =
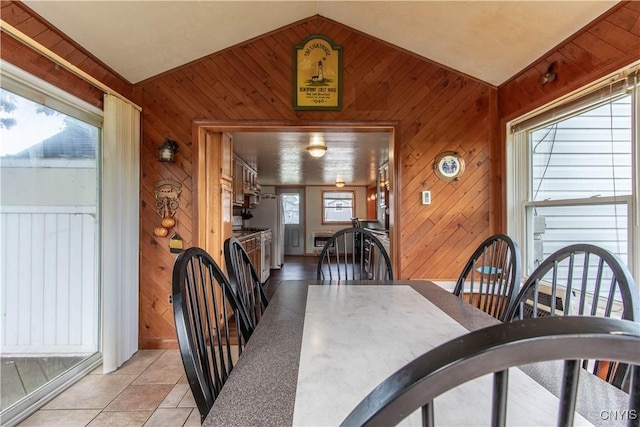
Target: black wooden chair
{"points": [[245, 281], [494, 350], [203, 306], [580, 280], [354, 254], [491, 278]]}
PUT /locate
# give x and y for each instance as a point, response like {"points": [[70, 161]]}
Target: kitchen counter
{"points": [[243, 234], [378, 230]]}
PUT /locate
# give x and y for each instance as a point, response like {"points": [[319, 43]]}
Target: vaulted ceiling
{"points": [[488, 40]]}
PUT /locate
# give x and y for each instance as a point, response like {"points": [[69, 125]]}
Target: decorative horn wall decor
{"points": [[166, 192]]}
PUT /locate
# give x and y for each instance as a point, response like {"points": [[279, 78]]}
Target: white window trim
{"points": [[324, 209], [58, 97], [518, 172]]}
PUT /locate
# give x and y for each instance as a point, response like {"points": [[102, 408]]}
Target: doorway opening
{"points": [[294, 167]]}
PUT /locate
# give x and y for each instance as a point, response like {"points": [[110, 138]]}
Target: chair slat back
{"points": [[205, 307], [354, 254], [583, 280], [494, 350], [245, 282], [490, 279]]}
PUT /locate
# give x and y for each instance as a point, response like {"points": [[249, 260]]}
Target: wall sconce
{"points": [[339, 183], [316, 147], [167, 150]]}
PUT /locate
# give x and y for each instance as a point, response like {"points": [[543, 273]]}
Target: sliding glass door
{"points": [[49, 243]]}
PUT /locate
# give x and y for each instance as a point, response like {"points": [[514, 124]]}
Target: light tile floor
{"points": [[148, 390]]}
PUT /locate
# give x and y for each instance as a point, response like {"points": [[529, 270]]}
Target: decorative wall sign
{"points": [[317, 74], [449, 166], [166, 192]]}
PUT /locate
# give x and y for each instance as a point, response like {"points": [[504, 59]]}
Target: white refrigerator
{"points": [[269, 214]]}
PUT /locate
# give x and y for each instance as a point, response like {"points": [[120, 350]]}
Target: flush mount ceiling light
{"points": [[316, 146]]}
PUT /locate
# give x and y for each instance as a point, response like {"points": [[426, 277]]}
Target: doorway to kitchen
{"points": [[284, 145]]}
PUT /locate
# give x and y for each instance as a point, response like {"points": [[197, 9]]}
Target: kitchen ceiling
{"points": [[488, 40], [281, 158]]}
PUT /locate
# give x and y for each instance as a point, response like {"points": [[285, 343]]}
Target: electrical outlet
{"points": [[170, 299]]}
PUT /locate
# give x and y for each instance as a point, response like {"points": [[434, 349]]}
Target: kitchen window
{"points": [[571, 174], [338, 207]]}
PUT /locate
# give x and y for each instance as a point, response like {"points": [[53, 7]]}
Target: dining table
{"points": [[322, 346]]}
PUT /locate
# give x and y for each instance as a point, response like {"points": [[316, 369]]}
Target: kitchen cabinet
{"points": [[245, 184], [238, 181], [383, 195], [215, 192], [252, 244], [250, 180], [226, 197], [226, 157]]}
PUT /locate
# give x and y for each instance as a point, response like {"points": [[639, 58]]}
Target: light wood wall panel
{"points": [[24, 19], [436, 109], [603, 47]]}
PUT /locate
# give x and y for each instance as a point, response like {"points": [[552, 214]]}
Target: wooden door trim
{"points": [[202, 183]]}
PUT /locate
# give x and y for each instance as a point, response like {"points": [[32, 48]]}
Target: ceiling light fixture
{"points": [[316, 147]]}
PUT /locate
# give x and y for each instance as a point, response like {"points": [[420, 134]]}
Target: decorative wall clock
{"points": [[449, 166]]}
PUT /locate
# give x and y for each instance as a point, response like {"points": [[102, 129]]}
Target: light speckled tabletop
{"points": [[281, 360]]}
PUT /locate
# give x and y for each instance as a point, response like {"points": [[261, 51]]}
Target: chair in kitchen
{"points": [[354, 254], [491, 277], [580, 280], [245, 281], [494, 350], [203, 306]]}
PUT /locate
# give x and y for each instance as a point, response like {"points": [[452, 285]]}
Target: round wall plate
{"points": [[449, 166]]}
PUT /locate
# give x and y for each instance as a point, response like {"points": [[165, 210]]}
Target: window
{"points": [[570, 176], [291, 203], [338, 207]]}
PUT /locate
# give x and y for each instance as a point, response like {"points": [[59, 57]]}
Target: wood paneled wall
{"points": [[606, 45], [24, 19], [436, 109], [603, 47]]}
